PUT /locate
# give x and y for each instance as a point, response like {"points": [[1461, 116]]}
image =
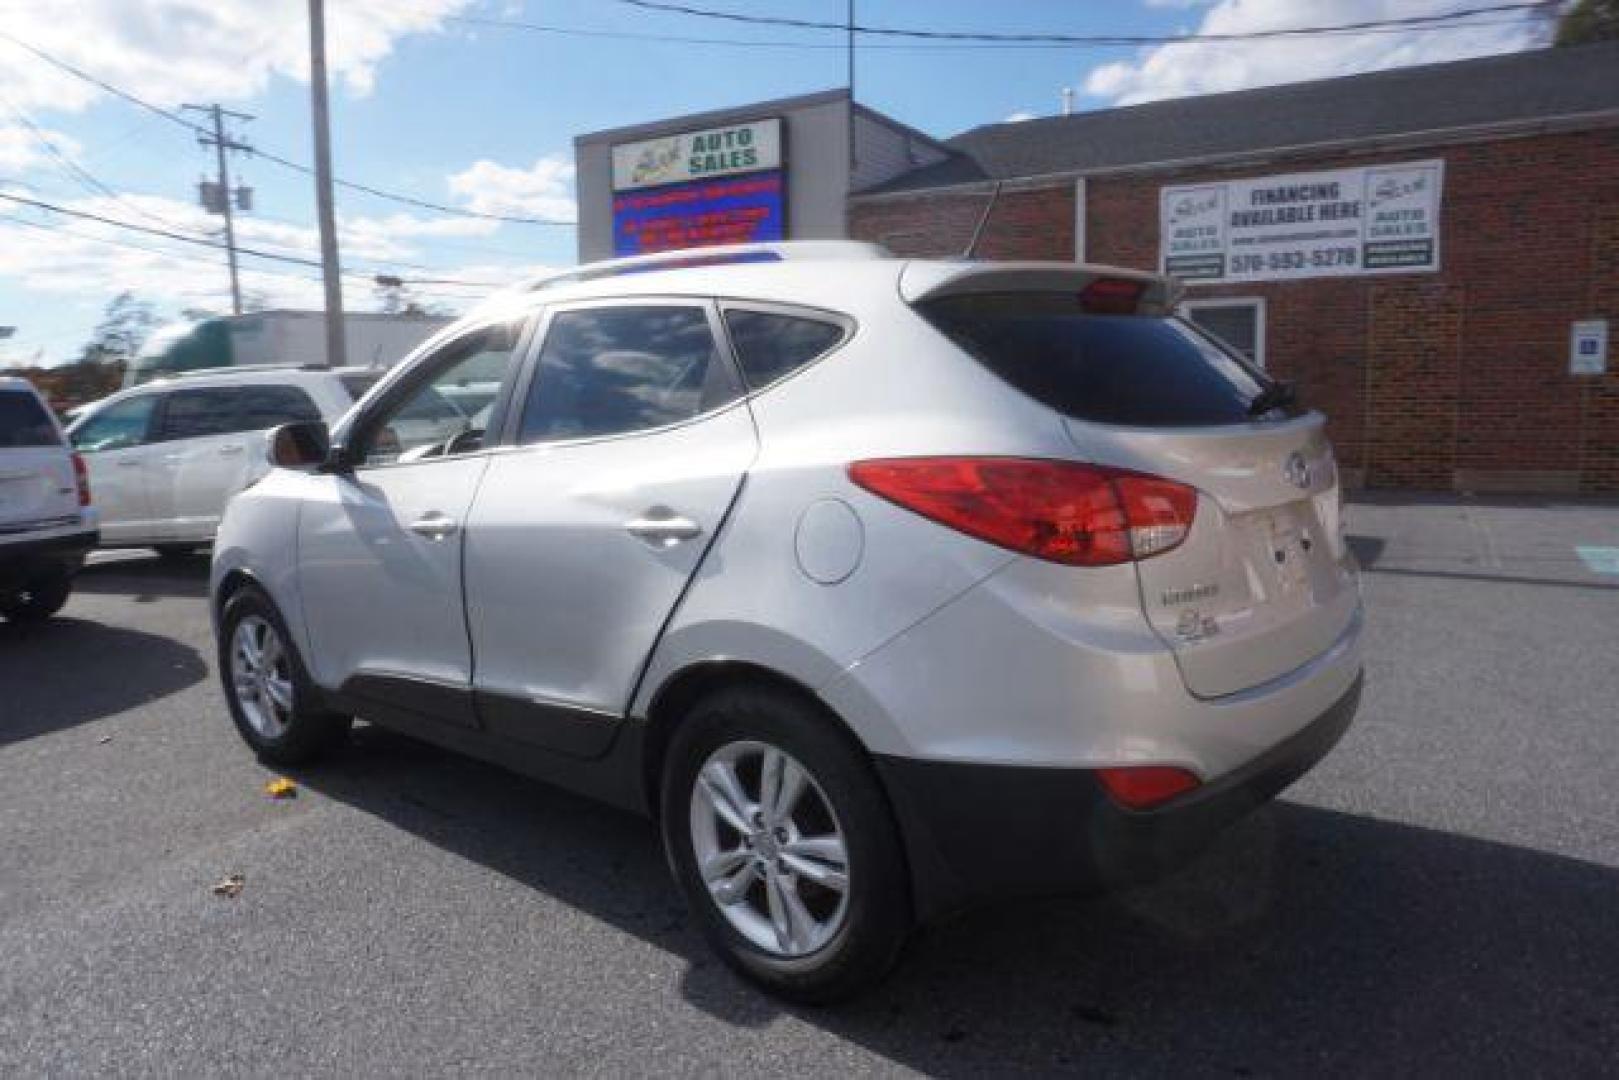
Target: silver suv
{"points": [[885, 586], [47, 524]]}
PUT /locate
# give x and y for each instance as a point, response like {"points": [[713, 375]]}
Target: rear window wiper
{"points": [[1275, 395]]}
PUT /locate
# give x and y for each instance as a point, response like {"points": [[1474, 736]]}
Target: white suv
{"points": [[886, 586], [46, 521], [166, 456]]}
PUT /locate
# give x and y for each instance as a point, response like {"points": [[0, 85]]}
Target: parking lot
{"points": [[1442, 893]]}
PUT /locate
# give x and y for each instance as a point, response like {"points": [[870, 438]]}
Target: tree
{"points": [[123, 329], [1586, 21], [394, 297]]}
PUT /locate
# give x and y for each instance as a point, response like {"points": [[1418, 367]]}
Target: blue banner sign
{"points": [[700, 213]]}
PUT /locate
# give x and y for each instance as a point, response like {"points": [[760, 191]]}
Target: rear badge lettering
{"points": [[1189, 595]]}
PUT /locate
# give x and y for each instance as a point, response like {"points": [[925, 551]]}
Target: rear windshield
{"points": [[24, 421], [1136, 370]]}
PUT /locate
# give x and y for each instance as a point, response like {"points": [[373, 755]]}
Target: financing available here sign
{"points": [[721, 185], [1383, 219]]}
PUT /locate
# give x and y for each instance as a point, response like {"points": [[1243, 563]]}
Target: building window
{"points": [[1239, 323]]}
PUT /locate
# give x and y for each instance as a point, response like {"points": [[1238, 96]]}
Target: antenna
{"points": [[983, 219]]}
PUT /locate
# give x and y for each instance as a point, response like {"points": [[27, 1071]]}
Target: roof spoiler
{"points": [[1154, 294]]}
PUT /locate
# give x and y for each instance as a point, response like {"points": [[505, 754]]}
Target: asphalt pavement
{"points": [[1440, 895]]}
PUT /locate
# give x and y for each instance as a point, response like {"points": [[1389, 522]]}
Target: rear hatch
{"points": [[1261, 583], [37, 486]]}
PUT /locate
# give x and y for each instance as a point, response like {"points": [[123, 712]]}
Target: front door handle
{"points": [[434, 525], [233, 448], [663, 528], [129, 463]]}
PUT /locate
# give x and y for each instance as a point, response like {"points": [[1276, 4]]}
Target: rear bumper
{"points": [[23, 559], [980, 832]]}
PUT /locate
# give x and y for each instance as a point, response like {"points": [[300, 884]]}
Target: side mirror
{"points": [[303, 445]]}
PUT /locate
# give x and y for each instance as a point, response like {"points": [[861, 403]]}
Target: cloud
{"points": [[172, 51], [1018, 117], [1167, 71], [20, 148], [543, 190]]}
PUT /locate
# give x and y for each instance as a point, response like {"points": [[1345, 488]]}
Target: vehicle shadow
{"points": [[144, 578], [1307, 940], [66, 671]]}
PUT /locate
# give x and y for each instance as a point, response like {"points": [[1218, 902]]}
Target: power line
{"points": [[1409, 21], [970, 42], [169, 234], [81, 175], [297, 166]]}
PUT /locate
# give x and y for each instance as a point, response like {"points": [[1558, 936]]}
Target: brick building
{"points": [[1430, 253]]}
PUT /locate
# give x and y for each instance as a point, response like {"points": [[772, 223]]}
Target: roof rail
{"points": [[236, 369], [720, 255]]}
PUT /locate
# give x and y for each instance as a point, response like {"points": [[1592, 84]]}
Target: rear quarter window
{"points": [[1132, 370], [24, 421], [770, 346]]}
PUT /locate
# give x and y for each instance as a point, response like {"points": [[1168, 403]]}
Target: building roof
{"points": [[1515, 88]]}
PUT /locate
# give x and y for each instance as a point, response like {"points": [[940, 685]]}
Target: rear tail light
{"points": [[1064, 512], [1142, 787], [81, 476]]}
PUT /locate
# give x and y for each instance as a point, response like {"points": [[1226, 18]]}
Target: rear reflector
{"points": [[1141, 787], [1061, 511], [81, 476]]}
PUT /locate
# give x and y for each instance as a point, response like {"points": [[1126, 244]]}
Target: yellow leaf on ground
{"points": [[281, 788]]}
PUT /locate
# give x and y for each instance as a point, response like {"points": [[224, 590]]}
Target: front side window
{"points": [[24, 421], [771, 346], [117, 426], [615, 370], [447, 411]]}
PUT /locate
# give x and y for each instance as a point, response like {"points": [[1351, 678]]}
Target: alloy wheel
{"points": [[261, 676], [770, 849]]}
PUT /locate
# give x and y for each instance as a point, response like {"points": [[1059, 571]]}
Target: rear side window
{"points": [[771, 346], [615, 370], [1135, 370], [24, 421], [225, 410]]}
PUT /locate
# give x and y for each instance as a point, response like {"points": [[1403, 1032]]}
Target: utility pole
{"points": [[335, 350], [221, 202]]}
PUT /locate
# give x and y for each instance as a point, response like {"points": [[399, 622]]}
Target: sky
{"points": [[446, 101]]}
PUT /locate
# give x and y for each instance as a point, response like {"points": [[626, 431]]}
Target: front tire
{"points": [[39, 599], [273, 701], [780, 836]]}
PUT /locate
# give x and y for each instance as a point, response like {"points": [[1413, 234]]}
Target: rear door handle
{"points": [[434, 525], [663, 528], [129, 463], [233, 448]]}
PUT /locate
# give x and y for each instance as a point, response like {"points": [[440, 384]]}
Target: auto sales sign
{"points": [[1378, 220], [721, 185]]}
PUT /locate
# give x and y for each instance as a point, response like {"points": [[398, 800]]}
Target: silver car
{"points": [[885, 586]]}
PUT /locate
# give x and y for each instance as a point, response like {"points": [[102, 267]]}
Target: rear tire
{"points": [[39, 598], [276, 706], [812, 899]]}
